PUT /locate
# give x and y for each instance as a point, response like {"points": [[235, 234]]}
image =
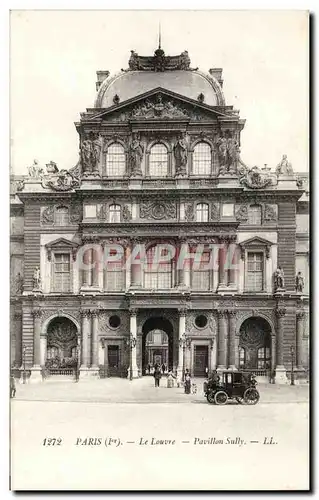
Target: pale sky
{"points": [[55, 56]]}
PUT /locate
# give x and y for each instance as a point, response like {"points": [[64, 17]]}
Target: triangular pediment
{"points": [[61, 243], [256, 241], [159, 104]]}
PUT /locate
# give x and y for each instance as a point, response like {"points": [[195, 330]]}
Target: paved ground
{"points": [[179, 442], [116, 390]]}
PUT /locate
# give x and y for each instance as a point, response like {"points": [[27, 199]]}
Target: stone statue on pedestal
{"points": [[19, 284], [284, 167], [279, 279], [180, 154], [37, 279], [136, 153], [300, 282]]}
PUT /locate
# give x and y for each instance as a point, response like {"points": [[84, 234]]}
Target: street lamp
{"points": [[24, 350], [131, 343], [184, 342], [292, 378]]}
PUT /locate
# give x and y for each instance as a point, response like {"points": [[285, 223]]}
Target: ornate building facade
{"points": [[160, 168]]}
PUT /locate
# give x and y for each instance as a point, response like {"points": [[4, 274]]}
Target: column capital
{"points": [[232, 312], [85, 313], [182, 311], [133, 311], [37, 313], [281, 311], [95, 312], [300, 314], [103, 343], [222, 313]]}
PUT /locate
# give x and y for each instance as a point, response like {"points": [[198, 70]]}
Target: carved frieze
{"points": [[241, 213], [158, 210], [215, 212], [75, 213], [126, 213], [255, 178], [62, 181], [47, 215], [189, 212], [270, 212]]}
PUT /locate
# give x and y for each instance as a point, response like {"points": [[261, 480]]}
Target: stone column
{"points": [[18, 343], [95, 346], [133, 331], [299, 336], [43, 349], [222, 332], [182, 271], [233, 261], [86, 333], [213, 349], [222, 273], [95, 257], [280, 376], [181, 331], [36, 368], [86, 273], [232, 340]]}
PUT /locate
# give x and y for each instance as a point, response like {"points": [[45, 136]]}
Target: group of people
{"points": [[172, 379]]}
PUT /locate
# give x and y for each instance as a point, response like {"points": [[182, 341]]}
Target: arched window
{"points": [[61, 216], [157, 274], [115, 213], [158, 162], [202, 212], [202, 159], [254, 215], [115, 161]]}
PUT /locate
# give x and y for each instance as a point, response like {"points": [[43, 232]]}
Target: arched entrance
{"points": [[157, 343], [255, 344], [62, 343]]}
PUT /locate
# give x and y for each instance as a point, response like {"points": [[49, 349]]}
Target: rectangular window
{"points": [[242, 357], [254, 215], [255, 272], [61, 272], [115, 276], [263, 361], [227, 210], [200, 275]]}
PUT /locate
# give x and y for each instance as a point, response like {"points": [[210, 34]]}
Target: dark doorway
{"points": [[113, 358], [255, 345], [163, 352], [200, 360]]}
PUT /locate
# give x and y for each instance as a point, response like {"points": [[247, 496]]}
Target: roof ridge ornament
{"points": [[159, 62]]}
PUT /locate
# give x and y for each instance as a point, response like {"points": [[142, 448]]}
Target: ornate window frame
{"points": [[169, 158], [104, 157], [260, 245], [213, 162], [61, 246]]}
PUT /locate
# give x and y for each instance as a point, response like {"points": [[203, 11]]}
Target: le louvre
{"points": [[159, 164]]}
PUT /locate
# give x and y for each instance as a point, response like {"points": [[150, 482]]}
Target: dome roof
{"points": [[170, 73]]}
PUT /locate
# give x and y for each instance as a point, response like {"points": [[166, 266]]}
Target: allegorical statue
{"points": [[37, 278], [232, 153], [136, 152], [184, 60], [95, 154], [222, 151], [133, 63], [284, 167], [35, 171], [180, 154], [279, 279], [90, 154], [19, 284], [300, 282], [86, 155]]}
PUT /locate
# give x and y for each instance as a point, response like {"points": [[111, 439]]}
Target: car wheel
{"points": [[210, 397], [220, 398], [251, 396]]}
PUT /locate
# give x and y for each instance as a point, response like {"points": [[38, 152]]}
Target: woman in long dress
{"points": [[187, 382]]}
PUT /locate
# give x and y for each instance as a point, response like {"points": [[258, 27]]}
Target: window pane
{"points": [[115, 213], [61, 216], [115, 161], [202, 212], [90, 211], [157, 276], [158, 162], [62, 272], [254, 215], [202, 159]]}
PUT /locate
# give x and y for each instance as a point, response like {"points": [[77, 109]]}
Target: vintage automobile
{"points": [[232, 385]]}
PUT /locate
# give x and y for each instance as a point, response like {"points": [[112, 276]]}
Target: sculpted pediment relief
{"points": [[159, 105]]}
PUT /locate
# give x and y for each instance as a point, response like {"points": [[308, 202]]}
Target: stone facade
{"points": [[160, 168]]}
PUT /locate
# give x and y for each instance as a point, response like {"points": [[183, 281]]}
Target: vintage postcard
{"points": [[159, 246]]}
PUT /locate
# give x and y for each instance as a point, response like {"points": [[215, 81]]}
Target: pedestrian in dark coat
{"points": [[12, 387], [187, 382], [157, 376]]}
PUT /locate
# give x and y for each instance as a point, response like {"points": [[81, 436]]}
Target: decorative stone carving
{"points": [[20, 185], [300, 282], [35, 171], [47, 216], [284, 167], [180, 154], [215, 212], [90, 154], [19, 284], [189, 212], [281, 311], [242, 213], [63, 181], [102, 211], [126, 214], [270, 213], [279, 279], [136, 153], [159, 62], [255, 178], [158, 210], [37, 279], [75, 213], [158, 109], [51, 167]]}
